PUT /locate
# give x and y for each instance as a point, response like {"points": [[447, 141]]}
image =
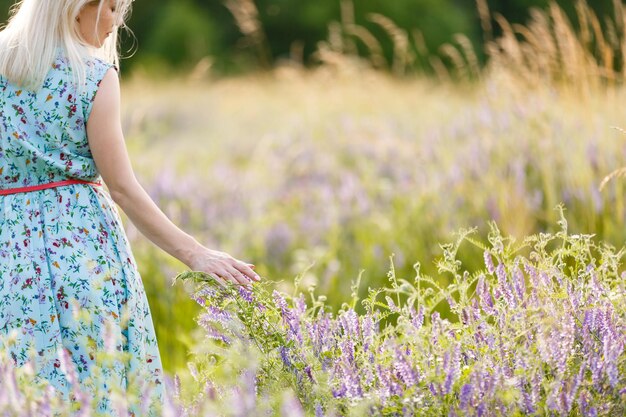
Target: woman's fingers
{"points": [[230, 269], [219, 279], [246, 270], [238, 276], [228, 272]]}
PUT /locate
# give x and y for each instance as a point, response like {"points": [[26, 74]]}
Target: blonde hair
{"points": [[37, 28]]}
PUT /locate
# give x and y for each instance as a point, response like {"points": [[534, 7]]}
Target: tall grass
{"points": [[582, 56]]}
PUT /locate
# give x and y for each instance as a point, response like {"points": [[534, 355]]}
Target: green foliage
{"points": [[171, 308], [178, 33], [184, 35]]}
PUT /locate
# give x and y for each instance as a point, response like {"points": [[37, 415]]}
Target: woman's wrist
{"points": [[190, 251]]}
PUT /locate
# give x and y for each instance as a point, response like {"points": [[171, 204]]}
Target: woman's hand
{"points": [[223, 266]]}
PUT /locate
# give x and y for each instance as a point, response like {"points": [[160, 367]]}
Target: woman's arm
{"points": [[106, 141]]}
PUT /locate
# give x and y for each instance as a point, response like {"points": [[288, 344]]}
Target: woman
{"points": [[62, 245]]}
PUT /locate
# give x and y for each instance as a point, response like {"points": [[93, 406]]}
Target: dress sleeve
{"points": [[95, 71]]}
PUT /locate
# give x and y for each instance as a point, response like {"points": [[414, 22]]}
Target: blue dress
{"points": [[67, 272]]}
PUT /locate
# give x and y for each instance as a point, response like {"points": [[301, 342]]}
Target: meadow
{"points": [[339, 175], [429, 246]]}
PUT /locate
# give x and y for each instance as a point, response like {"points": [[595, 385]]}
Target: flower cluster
{"points": [[542, 333]]}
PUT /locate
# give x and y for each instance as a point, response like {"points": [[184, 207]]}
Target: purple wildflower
{"points": [[436, 327], [280, 302], [309, 372], [200, 299], [317, 334], [417, 319], [595, 363], [404, 369], [486, 383], [292, 321], [322, 333], [612, 347], [246, 294], [583, 404], [369, 331], [534, 282], [519, 283], [387, 386], [212, 332], [350, 323], [339, 392], [451, 302], [475, 311], [452, 368], [466, 315], [504, 287], [486, 301], [352, 382], [319, 411], [367, 372], [568, 394], [489, 262], [526, 402], [435, 389], [347, 351], [247, 391], [465, 397], [392, 306], [205, 293], [284, 355], [588, 327], [210, 391], [299, 305], [481, 410], [545, 281], [217, 315], [574, 297]]}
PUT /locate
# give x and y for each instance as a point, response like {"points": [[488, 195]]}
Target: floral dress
{"points": [[67, 272]]}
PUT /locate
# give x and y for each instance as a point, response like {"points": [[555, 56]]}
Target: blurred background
{"points": [[174, 35], [331, 140]]}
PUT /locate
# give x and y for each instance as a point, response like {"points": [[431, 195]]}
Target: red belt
{"points": [[44, 186]]}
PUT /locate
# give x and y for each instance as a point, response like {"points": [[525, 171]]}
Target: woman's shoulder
{"points": [[98, 63], [96, 67], [93, 65]]}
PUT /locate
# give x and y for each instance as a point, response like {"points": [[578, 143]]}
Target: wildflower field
{"points": [[428, 246]]}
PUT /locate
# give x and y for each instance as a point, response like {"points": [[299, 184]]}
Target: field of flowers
{"points": [[329, 175], [540, 329], [427, 247]]}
